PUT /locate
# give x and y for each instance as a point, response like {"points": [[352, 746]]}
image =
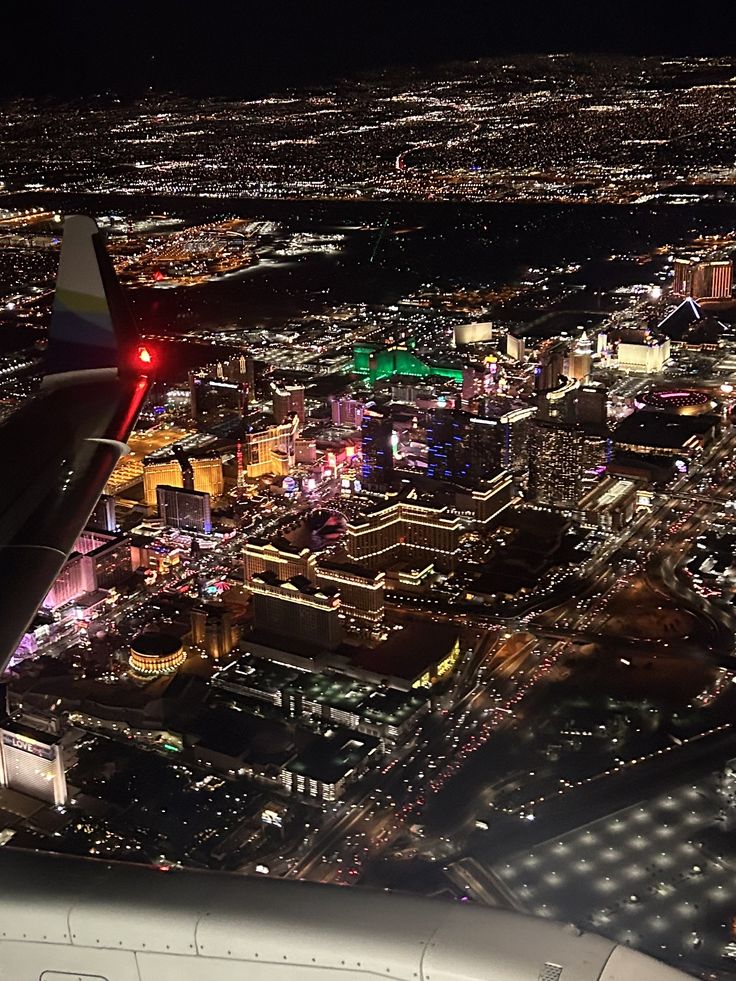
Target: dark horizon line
{"points": [[305, 80]]}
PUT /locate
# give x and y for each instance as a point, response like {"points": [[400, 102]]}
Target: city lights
{"points": [[370, 481]]}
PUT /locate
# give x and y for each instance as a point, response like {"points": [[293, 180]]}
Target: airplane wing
{"points": [[59, 449], [65, 918]]}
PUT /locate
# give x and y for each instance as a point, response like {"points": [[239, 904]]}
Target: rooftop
{"points": [[155, 644], [410, 652], [334, 755], [663, 430]]}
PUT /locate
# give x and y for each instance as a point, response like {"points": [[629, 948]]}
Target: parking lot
{"points": [[640, 876]]}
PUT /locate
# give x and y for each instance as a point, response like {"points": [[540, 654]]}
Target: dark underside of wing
{"points": [[59, 449]]}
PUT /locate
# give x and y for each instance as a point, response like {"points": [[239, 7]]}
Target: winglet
{"points": [[91, 324]]}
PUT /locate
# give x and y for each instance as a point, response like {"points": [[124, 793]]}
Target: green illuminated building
{"points": [[376, 363]]}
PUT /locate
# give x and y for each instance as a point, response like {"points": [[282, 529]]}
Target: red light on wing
{"points": [[144, 355]]}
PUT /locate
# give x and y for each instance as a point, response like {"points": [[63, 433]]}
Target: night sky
{"points": [[249, 47]]}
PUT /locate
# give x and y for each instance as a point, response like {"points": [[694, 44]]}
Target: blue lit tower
{"points": [[377, 449], [448, 456]]}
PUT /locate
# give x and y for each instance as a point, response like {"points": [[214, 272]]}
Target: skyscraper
{"points": [[207, 475], [643, 351], [499, 438], [448, 450], [110, 556], [288, 399], [556, 463], [361, 589], [76, 577], [214, 400], [240, 369], [704, 279], [580, 359], [347, 412], [157, 473], [474, 377], [488, 445], [31, 762], [413, 531], [271, 449], [296, 609], [597, 449], [377, 449], [587, 407], [186, 509], [103, 515], [515, 346], [212, 630], [551, 362], [280, 557]]}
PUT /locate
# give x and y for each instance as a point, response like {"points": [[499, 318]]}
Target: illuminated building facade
{"points": [[649, 355], [240, 369], [552, 403], [377, 363], [361, 590], [498, 439], [551, 362], [186, 509], [154, 654], [422, 531], [279, 557], [515, 347], [405, 530], [377, 449], [579, 366], [478, 332], [474, 378], [110, 557], [486, 500], [31, 762], [556, 463], [166, 472], [703, 279], [448, 449], [347, 412], [296, 608], [597, 452], [99, 561], [587, 407], [580, 359], [271, 449], [611, 504], [212, 630], [76, 577], [288, 399], [207, 476]]}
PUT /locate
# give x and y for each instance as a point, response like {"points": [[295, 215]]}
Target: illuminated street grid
{"points": [[639, 876], [605, 129]]}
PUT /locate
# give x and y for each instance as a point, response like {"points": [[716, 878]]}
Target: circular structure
{"points": [[153, 654], [682, 401]]}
